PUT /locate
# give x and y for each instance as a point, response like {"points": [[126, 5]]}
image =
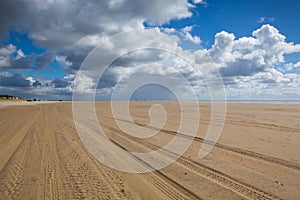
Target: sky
{"points": [[174, 49]]}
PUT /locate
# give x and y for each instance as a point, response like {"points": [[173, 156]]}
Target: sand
{"points": [[256, 157]]}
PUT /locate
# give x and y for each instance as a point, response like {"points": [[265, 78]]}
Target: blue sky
{"points": [[254, 44]]}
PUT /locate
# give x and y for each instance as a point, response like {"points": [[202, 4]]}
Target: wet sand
{"points": [[256, 157]]}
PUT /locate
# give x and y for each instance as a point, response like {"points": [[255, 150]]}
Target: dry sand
{"points": [[256, 157]]}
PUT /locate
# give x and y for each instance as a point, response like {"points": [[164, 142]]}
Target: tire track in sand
{"points": [[209, 173], [162, 182], [49, 165], [12, 178], [170, 187], [266, 158], [80, 178], [82, 175], [9, 148]]}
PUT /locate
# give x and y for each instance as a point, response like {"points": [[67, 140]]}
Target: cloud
{"points": [[261, 19], [20, 54], [84, 83], [222, 47], [243, 62], [5, 54], [60, 83], [266, 19], [63, 60], [194, 39], [50, 21], [43, 60], [297, 65], [66, 28], [69, 30], [247, 56], [188, 37], [169, 30], [23, 62], [8, 60], [17, 80], [203, 2], [33, 82], [197, 1], [270, 84], [10, 14], [187, 29]]}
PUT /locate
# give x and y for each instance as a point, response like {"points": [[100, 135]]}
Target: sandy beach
{"points": [[256, 157]]}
